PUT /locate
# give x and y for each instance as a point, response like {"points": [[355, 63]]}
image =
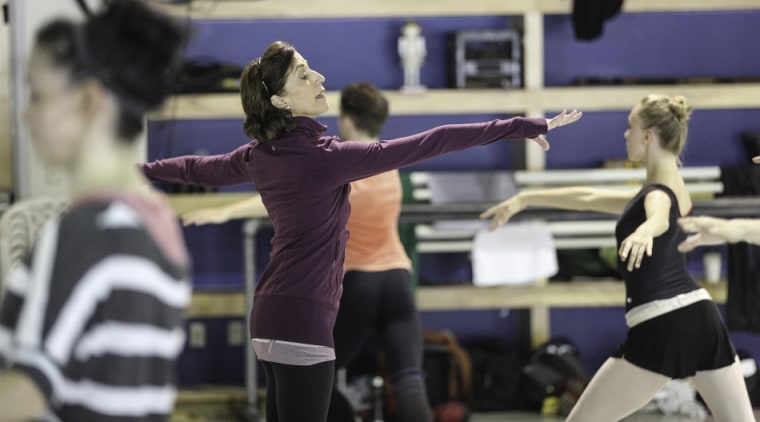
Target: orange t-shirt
{"points": [[373, 242]]}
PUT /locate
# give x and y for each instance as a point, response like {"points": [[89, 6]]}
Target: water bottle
{"points": [[377, 388]]}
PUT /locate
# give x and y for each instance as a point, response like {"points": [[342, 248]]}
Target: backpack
{"points": [[554, 378], [207, 76], [448, 371], [496, 369]]}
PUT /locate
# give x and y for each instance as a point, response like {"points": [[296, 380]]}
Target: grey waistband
{"points": [[658, 307], [291, 353]]}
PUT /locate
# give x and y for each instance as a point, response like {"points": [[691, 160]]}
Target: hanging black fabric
{"points": [[742, 312], [589, 16], [740, 180]]}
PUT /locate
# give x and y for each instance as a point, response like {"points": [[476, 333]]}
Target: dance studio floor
{"points": [[532, 417], [226, 404]]}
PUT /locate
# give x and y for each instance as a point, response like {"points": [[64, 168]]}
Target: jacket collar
{"points": [[306, 126]]}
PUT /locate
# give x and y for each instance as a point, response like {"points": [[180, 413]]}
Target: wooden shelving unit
{"points": [[476, 101], [533, 100], [289, 9], [591, 294], [538, 299]]}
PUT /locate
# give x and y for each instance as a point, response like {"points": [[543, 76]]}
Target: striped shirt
{"points": [[95, 318]]}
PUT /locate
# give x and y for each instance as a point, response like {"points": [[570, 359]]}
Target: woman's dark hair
{"points": [[366, 106], [261, 79], [130, 49]]}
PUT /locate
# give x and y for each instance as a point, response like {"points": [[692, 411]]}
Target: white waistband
{"points": [[658, 307]]}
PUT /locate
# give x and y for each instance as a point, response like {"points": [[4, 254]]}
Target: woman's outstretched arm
{"points": [[570, 198], [246, 208], [715, 231], [349, 161], [639, 243], [228, 169]]}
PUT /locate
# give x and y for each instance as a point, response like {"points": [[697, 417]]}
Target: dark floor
{"points": [[227, 404], [531, 417]]}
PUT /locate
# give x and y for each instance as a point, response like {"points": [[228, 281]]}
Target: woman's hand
{"points": [[563, 119], [541, 141], [633, 248], [709, 231], [559, 120], [502, 212]]}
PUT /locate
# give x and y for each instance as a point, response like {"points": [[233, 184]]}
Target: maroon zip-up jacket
{"points": [[303, 178]]}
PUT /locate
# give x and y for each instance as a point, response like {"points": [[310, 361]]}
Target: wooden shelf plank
{"points": [[306, 9], [603, 98], [556, 294], [492, 101], [201, 106], [227, 106], [467, 297], [210, 394], [689, 5], [217, 305]]}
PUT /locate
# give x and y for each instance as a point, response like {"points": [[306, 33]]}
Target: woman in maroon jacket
{"points": [[303, 178]]}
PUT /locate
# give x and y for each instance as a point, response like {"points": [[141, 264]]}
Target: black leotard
{"points": [[664, 274]]}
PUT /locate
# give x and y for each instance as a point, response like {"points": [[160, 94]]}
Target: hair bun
{"points": [[131, 48], [680, 108]]}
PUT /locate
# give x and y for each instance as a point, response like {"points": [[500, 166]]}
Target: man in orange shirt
{"points": [[377, 286]]}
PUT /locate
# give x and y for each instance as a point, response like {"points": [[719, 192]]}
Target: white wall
{"points": [[6, 170]]}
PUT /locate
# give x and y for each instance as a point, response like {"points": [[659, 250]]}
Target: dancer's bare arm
{"points": [[20, 398], [633, 248], [570, 198], [715, 231], [247, 208]]}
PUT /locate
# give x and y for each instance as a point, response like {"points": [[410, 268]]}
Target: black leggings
{"points": [[298, 393], [382, 304]]}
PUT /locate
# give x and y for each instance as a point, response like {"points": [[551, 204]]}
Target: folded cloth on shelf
{"points": [[517, 253]]}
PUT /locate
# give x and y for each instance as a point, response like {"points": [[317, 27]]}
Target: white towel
{"points": [[517, 253]]}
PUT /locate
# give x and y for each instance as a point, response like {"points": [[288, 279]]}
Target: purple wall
{"points": [[714, 139], [633, 45], [655, 45], [344, 50]]}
